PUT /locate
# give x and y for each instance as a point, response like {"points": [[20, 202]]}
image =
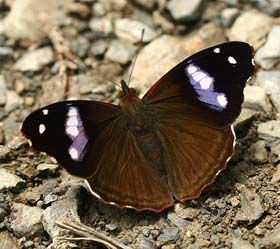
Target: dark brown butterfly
{"points": [[170, 144]]}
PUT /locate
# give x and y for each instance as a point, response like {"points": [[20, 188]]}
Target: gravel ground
{"points": [[38, 40]]}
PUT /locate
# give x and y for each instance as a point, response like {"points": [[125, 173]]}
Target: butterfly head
{"points": [[127, 94]]}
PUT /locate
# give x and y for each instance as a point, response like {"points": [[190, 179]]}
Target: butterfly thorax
{"points": [[134, 109]]}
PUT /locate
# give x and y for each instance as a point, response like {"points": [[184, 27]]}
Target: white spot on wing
{"points": [[222, 100], [72, 112], [206, 83], [45, 111], [197, 76], [72, 131], [74, 154], [42, 128], [231, 60], [72, 121], [217, 50], [191, 69]]}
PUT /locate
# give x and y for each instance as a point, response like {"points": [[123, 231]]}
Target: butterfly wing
{"points": [[91, 140], [65, 130], [194, 105], [210, 83]]}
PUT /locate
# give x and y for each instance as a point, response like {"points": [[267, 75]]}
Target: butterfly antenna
{"points": [[83, 67], [136, 55]]}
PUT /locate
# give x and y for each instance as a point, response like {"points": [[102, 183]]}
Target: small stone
{"points": [[257, 152], [13, 101], [171, 246], [251, 207], [3, 91], [28, 244], [144, 243], [80, 46], [255, 98], [131, 30], [186, 213], [35, 60], [32, 196], [276, 175], [245, 117], [7, 242], [120, 51], [27, 220], [182, 10], [168, 235], [80, 9], [228, 16], [50, 198], [9, 180], [111, 226], [269, 81], [98, 9], [176, 220], [269, 54], [251, 26], [241, 244], [47, 169], [269, 130], [101, 25], [234, 201], [5, 53], [99, 48], [272, 238]]}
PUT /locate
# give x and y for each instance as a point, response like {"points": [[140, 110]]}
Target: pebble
{"points": [[251, 208], [238, 243], [13, 101], [32, 196], [23, 22], [269, 81], [269, 54], [47, 169], [228, 16], [80, 46], [65, 210], [34, 60], [99, 48], [257, 152], [168, 235], [186, 213], [251, 26], [255, 98], [120, 51], [27, 220], [144, 243], [269, 130], [9, 180], [176, 220], [272, 238], [276, 175], [7, 242], [182, 10], [101, 25], [131, 30], [3, 214], [5, 53], [3, 91]]}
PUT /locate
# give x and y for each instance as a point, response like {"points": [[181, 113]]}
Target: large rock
{"points": [[24, 20]]}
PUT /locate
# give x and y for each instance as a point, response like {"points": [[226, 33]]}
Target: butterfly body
{"points": [[170, 144]]}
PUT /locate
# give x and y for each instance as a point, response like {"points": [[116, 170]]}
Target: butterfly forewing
{"points": [[211, 81]]}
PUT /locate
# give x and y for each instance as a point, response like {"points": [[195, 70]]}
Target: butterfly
{"points": [[146, 153]]}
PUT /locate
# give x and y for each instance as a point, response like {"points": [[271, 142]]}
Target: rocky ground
{"points": [[241, 210]]}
